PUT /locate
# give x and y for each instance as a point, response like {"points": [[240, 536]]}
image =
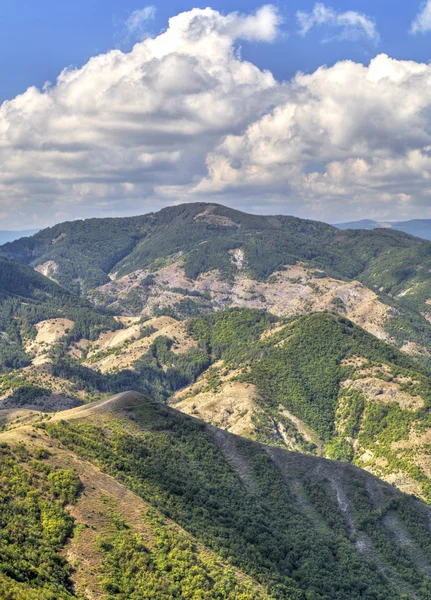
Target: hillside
{"points": [[36, 314], [316, 384], [192, 511], [26, 298], [83, 254], [197, 258]]}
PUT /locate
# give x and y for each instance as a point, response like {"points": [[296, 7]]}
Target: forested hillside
{"points": [[85, 252], [191, 511], [196, 258], [316, 384], [321, 385], [245, 322], [26, 298]]}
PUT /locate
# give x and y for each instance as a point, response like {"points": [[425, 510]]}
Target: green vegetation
{"points": [[34, 526], [85, 252], [297, 546], [170, 567], [303, 367], [159, 372], [26, 298], [88, 250]]}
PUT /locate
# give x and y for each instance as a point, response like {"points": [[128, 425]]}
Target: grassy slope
{"points": [[298, 526], [120, 546]]}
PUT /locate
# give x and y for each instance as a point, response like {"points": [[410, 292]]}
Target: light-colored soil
{"points": [[295, 290], [230, 408], [385, 392], [120, 351], [209, 217], [304, 430], [49, 333], [48, 268]]}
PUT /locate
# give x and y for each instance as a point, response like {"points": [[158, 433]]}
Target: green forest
{"points": [[297, 544]]}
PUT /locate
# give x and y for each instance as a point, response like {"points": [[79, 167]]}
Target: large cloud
{"points": [[348, 139], [182, 117]]}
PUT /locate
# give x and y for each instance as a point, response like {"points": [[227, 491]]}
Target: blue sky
{"points": [[317, 109], [38, 39]]}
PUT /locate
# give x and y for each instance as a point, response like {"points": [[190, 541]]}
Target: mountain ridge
{"points": [[300, 526], [195, 258], [418, 227]]}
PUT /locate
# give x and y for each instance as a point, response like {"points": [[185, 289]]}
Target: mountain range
{"points": [[202, 403], [418, 227]]}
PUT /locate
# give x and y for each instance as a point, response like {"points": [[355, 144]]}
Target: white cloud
{"points": [[422, 22], [349, 139], [108, 133], [134, 28], [138, 18], [182, 118], [352, 25]]}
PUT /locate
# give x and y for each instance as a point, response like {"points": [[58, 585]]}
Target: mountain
{"points": [[418, 227], [10, 236], [127, 498], [84, 254], [292, 334], [366, 224], [196, 258], [316, 383]]}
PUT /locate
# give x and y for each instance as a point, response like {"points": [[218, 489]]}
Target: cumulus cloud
{"points": [[422, 22], [182, 117], [349, 138], [352, 25]]}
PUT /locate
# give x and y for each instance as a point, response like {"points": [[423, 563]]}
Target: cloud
{"points": [[182, 117], [422, 22], [353, 25], [134, 28], [349, 139], [105, 135]]}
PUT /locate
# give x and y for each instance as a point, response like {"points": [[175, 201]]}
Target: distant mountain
{"points": [[366, 224], [418, 227], [10, 236], [82, 255], [195, 258]]}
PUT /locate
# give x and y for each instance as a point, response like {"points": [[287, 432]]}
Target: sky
{"points": [[317, 109]]}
